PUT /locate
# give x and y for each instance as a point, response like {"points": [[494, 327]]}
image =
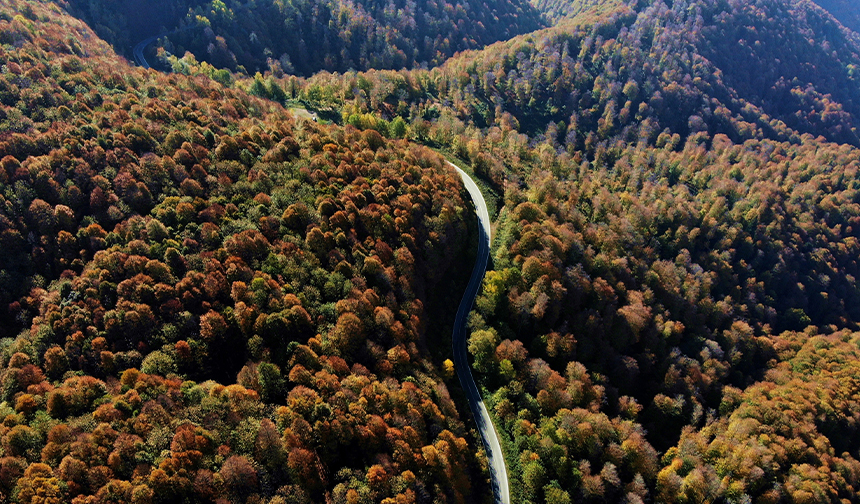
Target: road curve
{"points": [[138, 50], [141, 46], [498, 473]]}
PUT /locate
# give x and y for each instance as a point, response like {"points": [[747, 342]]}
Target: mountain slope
{"points": [[557, 10], [636, 76], [304, 37], [204, 298], [672, 309], [679, 217], [681, 61]]}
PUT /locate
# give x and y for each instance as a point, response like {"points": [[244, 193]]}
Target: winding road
{"points": [[141, 46], [495, 457], [498, 473], [138, 50]]}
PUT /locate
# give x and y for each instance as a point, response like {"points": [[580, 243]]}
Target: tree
{"points": [[115, 492], [482, 346], [56, 362], [347, 334], [11, 469], [22, 441], [556, 495], [397, 128], [271, 382], [40, 486], [269, 449], [534, 476], [377, 478], [239, 475], [303, 465], [158, 363], [250, 245], [448, 368], [213, 327]]}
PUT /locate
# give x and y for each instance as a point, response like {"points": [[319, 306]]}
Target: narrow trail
{"points": [[496, 458]]}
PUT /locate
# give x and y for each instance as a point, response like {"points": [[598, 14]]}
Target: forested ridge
{"points": [[303, 37], [748, 70], [211, 299], [206, 300]]}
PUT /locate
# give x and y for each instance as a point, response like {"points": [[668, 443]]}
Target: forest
{"points": [[205, 297], [844, 11], [218, 302], [302, 37]]}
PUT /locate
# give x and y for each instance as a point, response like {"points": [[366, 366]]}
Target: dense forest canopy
{"points": [[556, 10], [303, 37], [748, 70], [206, 297]]}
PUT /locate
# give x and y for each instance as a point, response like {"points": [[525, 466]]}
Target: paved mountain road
{"points": [[498, 473], [138, 50], [139, 58]]}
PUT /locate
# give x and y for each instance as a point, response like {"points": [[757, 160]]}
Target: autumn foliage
{"points": [[207, 299]]}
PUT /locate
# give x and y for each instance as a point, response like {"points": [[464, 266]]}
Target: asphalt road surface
{"points": [[138, 50], [498, 473], [141, 46]]}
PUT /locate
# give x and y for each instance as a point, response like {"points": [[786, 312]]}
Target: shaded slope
{"points": [[304, 37], [697, 66], [846, 11], [790, 59], [124, 23]]}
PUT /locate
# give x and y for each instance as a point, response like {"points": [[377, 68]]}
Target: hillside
{"points": [[679, 222], [205, 298], [304, 37], [555, 11]]}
